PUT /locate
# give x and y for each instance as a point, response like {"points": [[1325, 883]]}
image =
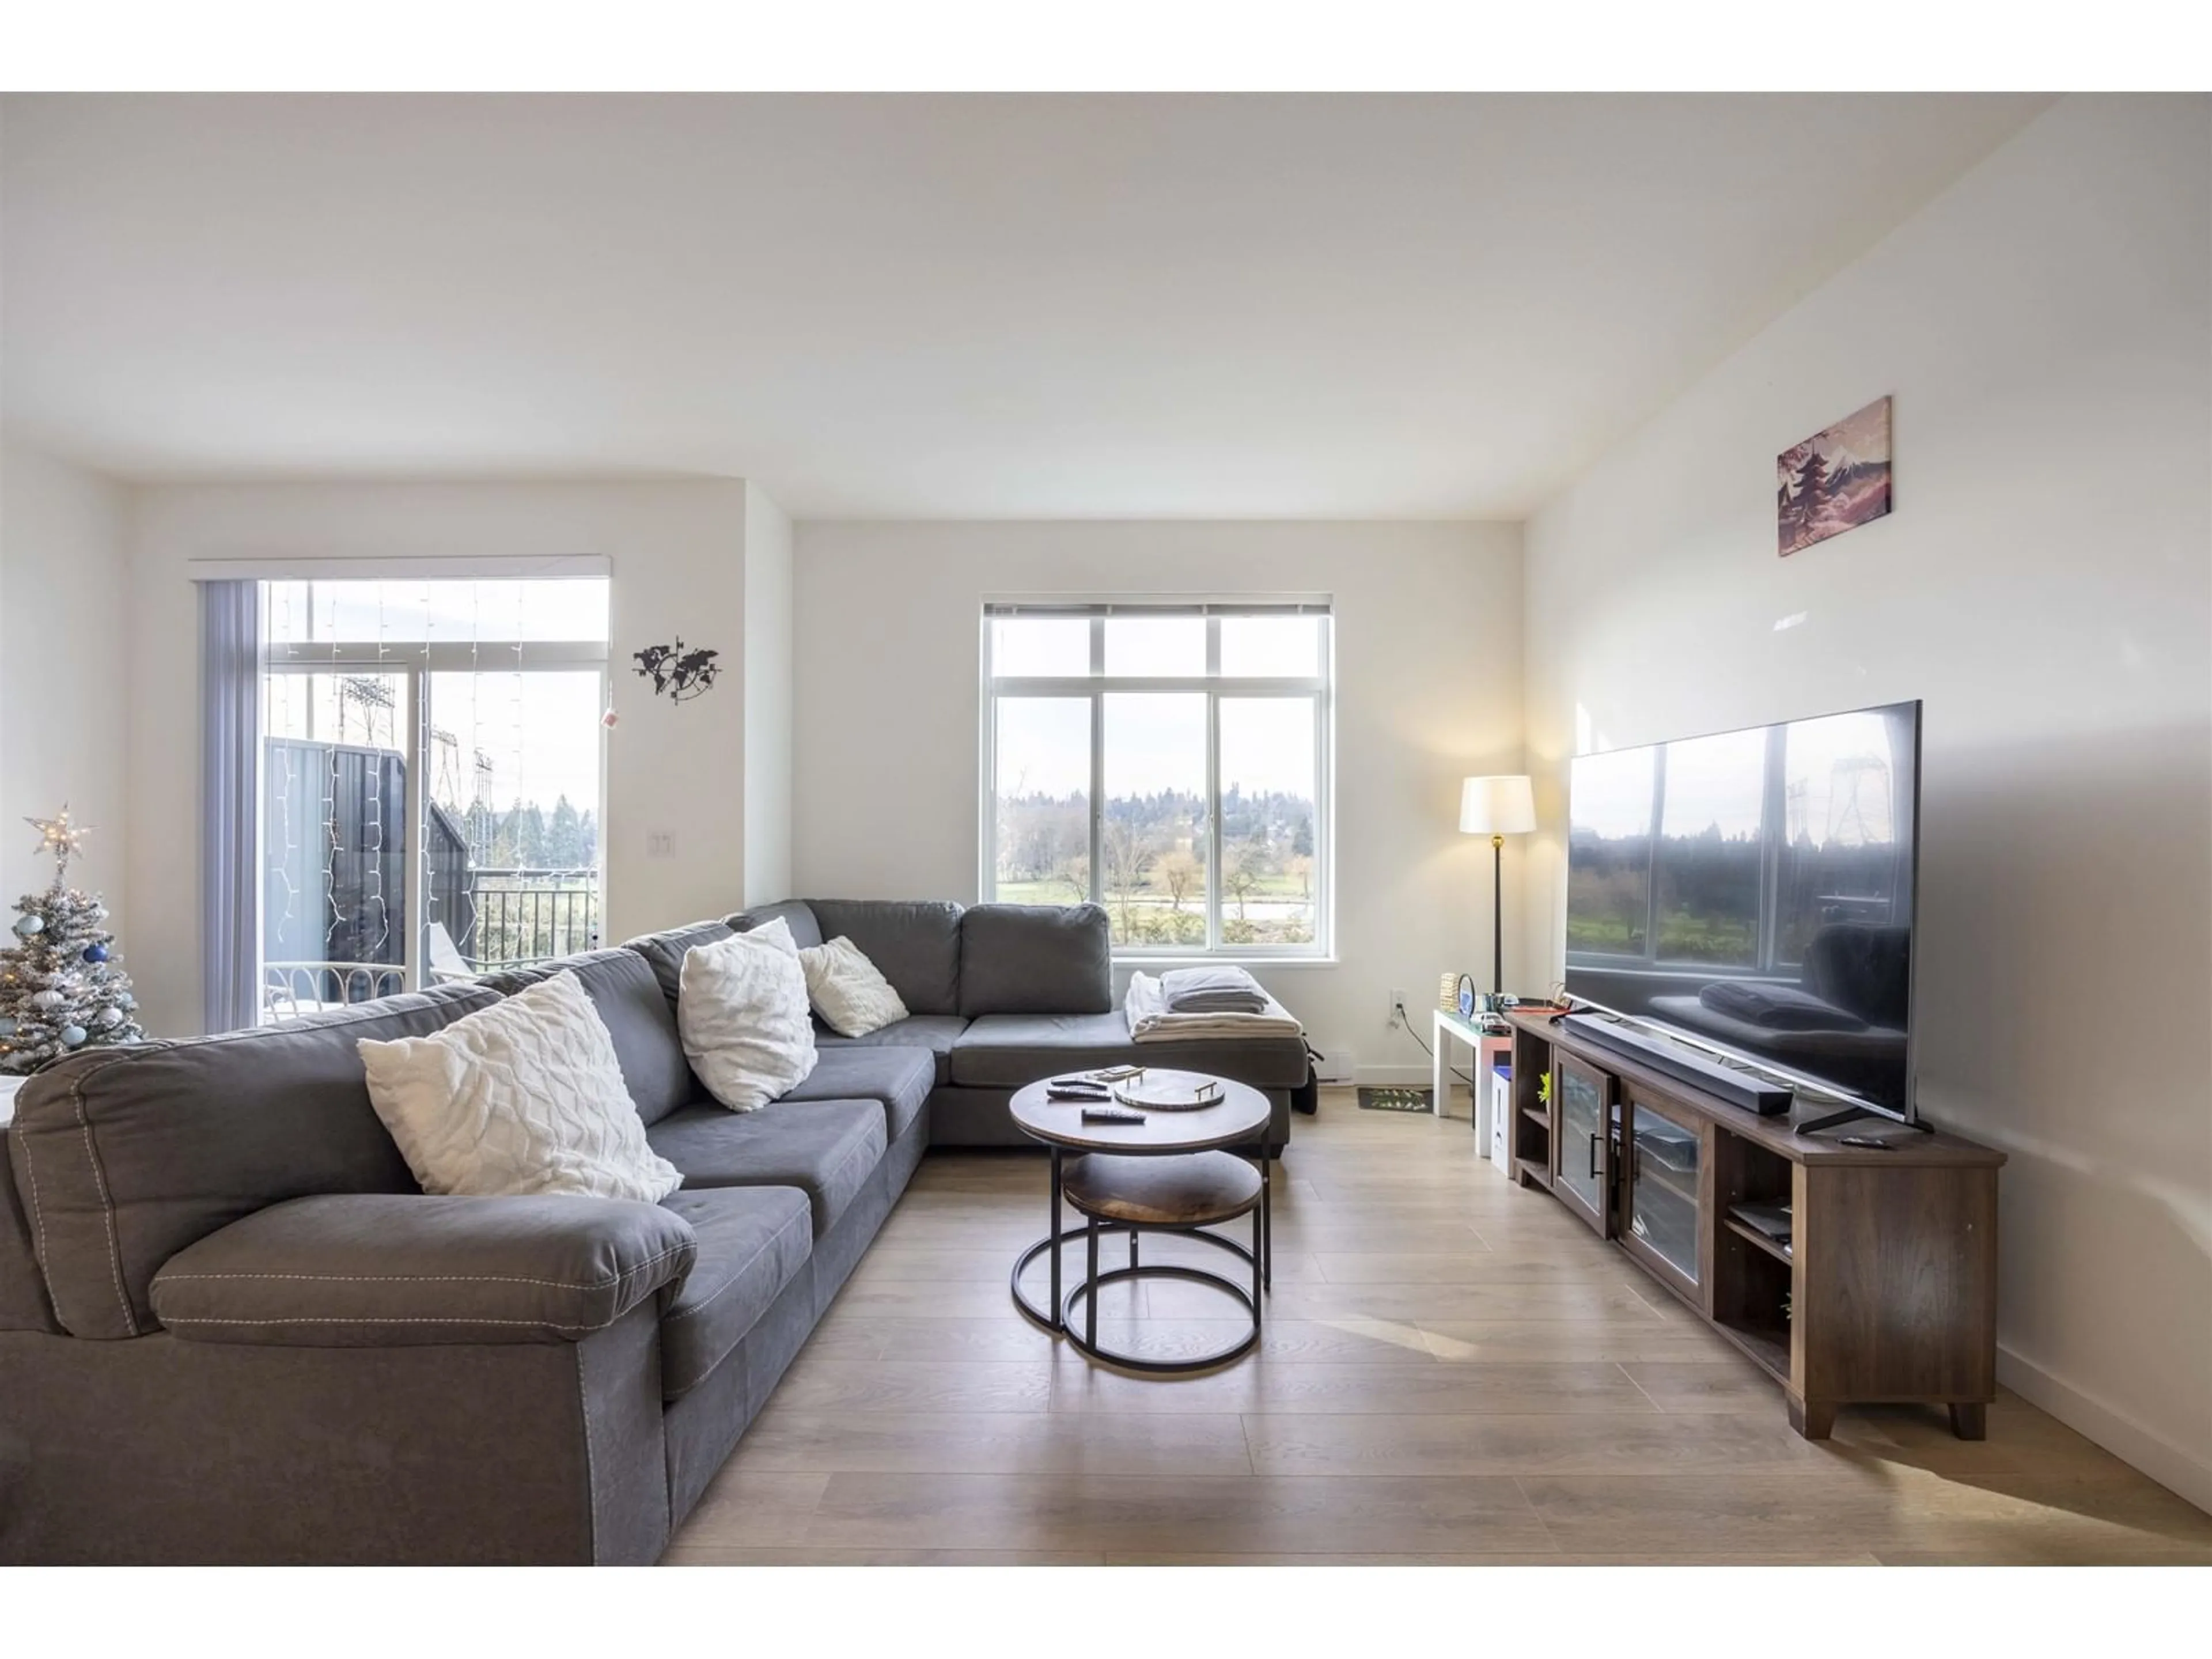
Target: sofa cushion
{"points": [[753, 1241], [125, 1157], [637, 1017], [796, 915], [935, 1032], [899, 1079], [1036, 959], [664, 952], [826, 1148], [523, 1097], [743, 1013], [383, 1270], [915, 944], [23, 1304], [1005, 1051], [849, 993]]}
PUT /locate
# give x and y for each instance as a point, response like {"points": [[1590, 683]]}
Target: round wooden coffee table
{"points": [[1170, 1173]]}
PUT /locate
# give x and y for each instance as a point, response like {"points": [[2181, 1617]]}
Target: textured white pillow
{"points": [[741, 1010], [849, 991], [523, 1098]]}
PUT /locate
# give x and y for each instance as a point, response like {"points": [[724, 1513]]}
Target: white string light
{"points": [[370, 853]]}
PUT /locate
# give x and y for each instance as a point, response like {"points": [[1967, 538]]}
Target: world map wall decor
{"points": [[677, 674]]}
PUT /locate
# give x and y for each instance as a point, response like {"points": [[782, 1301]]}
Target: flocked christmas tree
{"points": [[61, 985]]}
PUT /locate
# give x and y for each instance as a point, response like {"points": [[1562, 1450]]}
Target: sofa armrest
{"points": [[376, 1270]]}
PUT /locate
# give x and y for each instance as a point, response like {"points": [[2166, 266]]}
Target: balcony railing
{"points": [[524, 916], [289, 989], [506, 918]]}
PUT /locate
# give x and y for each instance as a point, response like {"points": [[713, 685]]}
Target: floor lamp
{"points": [[1497, 807]]}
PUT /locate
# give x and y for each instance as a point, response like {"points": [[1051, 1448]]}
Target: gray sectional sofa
{"points": [[233, 1329], [1003, 994]]}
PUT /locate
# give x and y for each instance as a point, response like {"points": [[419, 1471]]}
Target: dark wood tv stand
{"points": [[1887, 1290]]}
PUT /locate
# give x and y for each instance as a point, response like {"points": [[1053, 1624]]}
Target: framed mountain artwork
{"points": [[1835, 480]]}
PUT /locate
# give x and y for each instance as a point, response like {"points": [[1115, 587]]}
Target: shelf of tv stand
{"points": [[1536, 1115], [1757, 1239], [1766, 1347], [1887, 1293]]}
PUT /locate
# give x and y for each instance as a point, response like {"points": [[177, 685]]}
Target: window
{"points": [[430, 782], [1170, 762]]}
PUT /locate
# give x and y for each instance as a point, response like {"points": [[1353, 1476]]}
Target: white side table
{"points": [[1482, 1046]]}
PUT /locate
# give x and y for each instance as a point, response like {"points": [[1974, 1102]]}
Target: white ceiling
{"points": [[928, 307]]}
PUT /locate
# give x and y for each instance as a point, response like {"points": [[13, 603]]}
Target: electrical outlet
{"points": [[1400, 1010]]}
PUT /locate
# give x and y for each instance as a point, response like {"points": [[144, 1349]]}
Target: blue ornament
{"points": [[71, 1036], [7, 1026], [126, 1000], [96, 953], [25, 925]]}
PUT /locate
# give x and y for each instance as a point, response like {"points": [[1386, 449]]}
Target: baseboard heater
{"points": [[1747, 1089]]}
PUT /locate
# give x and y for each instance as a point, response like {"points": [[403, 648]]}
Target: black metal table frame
{"points": [[1059, 1321]]}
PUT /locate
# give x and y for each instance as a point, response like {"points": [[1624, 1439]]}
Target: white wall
{"points": [[2046, 329], [64, 661], [1428, 667], [768, 688], [677, 551]]}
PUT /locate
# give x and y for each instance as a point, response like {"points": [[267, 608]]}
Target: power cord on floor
{"points": [[1405, 1021]]}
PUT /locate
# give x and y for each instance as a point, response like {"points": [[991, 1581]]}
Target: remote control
{"points": [[1111, 1114], [1097, 1091], [1866, 1141]]}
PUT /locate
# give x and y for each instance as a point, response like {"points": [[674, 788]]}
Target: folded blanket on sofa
{"points": [[1212, 991], [1151, 1021]]}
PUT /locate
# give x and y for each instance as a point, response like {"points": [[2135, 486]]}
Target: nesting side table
{"points": [[1170, 1173]]}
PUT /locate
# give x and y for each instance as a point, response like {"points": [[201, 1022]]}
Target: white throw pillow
{"points": [[849, 991], [741, 1009], [523, 1098]]}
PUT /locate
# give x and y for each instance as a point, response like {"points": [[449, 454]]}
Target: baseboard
{"points": [[2170, 1464]]}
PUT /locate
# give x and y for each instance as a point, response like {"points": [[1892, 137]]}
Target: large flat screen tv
{"points": [[1753, 892]]}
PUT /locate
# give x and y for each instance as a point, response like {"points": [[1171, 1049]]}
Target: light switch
{"points": [[660, 843]]}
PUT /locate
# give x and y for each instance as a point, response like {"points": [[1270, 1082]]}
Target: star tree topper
{"points": [[59, 836]]}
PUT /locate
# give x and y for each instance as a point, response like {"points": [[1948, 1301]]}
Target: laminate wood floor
{"points": [[1454, 1371]]}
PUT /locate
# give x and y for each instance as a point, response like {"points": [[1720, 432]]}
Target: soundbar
{"points": [[1747, 1089]]}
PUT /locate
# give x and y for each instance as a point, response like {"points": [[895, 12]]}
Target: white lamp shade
{"points": [[1497, 807]]}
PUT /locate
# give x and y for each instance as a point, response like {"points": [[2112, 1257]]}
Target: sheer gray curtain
{"points": [[230, 749]]}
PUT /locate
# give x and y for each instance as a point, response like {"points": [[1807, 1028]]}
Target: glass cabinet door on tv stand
{"points": [[1663, 1208], [1581, 1139]]}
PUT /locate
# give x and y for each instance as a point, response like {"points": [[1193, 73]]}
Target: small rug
{"points": [[1394, 1100]]}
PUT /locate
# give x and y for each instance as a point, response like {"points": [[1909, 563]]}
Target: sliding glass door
{"points": [[431, 783], [512, 828]]}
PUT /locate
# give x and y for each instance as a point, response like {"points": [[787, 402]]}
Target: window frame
{"points": [[416, 661], [1096, 685]]}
